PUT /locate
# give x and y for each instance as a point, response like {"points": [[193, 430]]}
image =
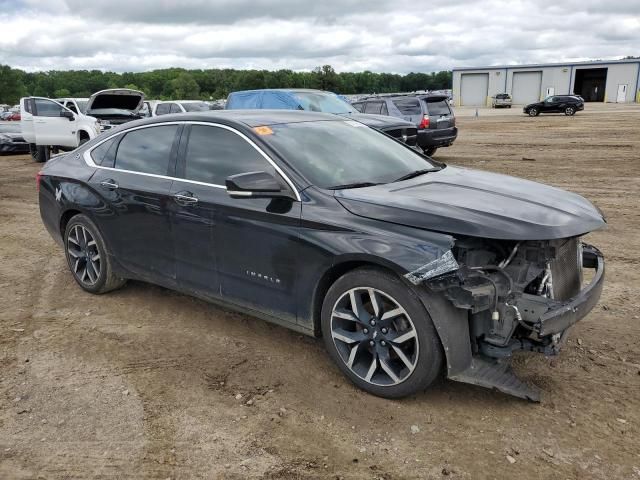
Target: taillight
{"points": [[38, 178], [425, 122]]}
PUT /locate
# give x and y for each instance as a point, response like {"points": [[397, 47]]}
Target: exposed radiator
{"points": [[566, 269]]}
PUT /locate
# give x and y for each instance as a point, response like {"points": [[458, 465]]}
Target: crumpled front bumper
{"points": [[555, 316]]}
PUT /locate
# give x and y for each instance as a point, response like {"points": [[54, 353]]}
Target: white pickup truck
{"points": [[49, 125]]}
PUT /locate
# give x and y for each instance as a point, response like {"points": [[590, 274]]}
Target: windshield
{"points": [[82, 105], [333, 153], [323, 102], [195, 106]]}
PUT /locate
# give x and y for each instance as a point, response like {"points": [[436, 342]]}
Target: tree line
{"points": [[210, 84]]}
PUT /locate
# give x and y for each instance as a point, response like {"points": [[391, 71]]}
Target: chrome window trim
{"points": [[89, 160]]}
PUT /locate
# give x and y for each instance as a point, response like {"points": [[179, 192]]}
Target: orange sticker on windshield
{"points": [[263, 130]]}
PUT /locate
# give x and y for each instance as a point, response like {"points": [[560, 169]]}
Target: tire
{"points": [[533, 112], [357, 345], [38, 153], [570, 111], [508, 106], [82, 244], [430, 151]]}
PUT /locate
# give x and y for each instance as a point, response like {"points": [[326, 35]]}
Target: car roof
{"points": [[250, 118], [289, 90]]}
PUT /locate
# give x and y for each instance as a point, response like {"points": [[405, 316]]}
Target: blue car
{"points": [[320, 101]]}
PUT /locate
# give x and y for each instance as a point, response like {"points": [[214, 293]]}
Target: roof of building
{"points": [[542, 65]]}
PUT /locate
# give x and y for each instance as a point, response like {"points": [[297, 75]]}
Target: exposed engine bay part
{"points": [[520, 296]]}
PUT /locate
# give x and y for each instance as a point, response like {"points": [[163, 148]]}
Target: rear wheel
{"points": [[88, 257], [533, 112], [379, 334], [430, 151], [569, 111]]}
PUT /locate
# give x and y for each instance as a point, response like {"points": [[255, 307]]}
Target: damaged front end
{"points": [[519, 296]]}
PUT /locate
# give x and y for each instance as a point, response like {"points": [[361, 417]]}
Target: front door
{"points": [[50, 127], [622, 94], [244, 250], [132, 178]]}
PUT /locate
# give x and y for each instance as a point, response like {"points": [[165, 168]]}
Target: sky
{"points": [[396, 36]]}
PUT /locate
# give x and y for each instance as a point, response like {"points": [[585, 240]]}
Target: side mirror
{"points": [[255, 185], [67, 114]]}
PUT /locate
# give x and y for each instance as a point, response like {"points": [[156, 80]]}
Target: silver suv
{"points": [[430, 112]]}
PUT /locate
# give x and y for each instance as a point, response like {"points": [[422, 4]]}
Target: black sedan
{"points": [[11, 139], [405, 266], [567, 104]]}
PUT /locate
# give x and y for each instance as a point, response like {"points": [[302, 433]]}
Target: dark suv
{"points": [[567, 104], [430, 112]]}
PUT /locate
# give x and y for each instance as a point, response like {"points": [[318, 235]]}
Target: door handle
{"points": [[185, 198], [109, 184]]}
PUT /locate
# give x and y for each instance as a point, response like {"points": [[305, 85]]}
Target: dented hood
{"points": [[116, 99], [475, 203]]}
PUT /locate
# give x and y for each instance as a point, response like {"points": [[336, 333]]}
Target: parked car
{"points": [[11, 139], [567, 104], [14, 117], [501, 100], [319, 101], [6, 115], [76, 105], [431, 113], [406, 267], [49, 126], [179, 106], [115, 106]]}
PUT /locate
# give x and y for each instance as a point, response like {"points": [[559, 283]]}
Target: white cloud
{"points": [[399, 36]]}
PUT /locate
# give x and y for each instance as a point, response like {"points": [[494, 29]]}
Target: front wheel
{"points": [[379, 334], [430, 151], [533, 112], [38, 153], [88, 257], [569, 111]]}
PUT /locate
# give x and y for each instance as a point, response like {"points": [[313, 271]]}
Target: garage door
{"points": [[526, 87], [474, 88]]}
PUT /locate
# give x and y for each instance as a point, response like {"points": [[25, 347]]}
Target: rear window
{"points": [[437, 106], [408, 106], [195, 106], [147, 150], [105, 153]]}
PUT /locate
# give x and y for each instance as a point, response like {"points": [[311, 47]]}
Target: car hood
{"points": [[475, 203], [115, 99], [379, 121]]}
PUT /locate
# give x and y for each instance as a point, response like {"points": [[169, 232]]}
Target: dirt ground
{"points": [[147, 383]]}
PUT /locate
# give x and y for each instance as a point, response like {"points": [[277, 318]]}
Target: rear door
{"points": [[133, 177], [50, 127], [243, 250]]}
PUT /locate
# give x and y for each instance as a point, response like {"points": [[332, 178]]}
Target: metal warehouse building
{"points": [[600, 81]]}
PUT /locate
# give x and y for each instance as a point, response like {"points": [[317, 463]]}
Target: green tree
{"points": [[11, 85], [185, 87], [62, 93]]}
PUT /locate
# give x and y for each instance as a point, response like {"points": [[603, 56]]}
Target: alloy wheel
{"points": [[374, 336], [84, 256]]}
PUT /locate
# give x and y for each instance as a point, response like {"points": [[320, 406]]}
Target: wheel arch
{"points": [[451, 323], [337, 270], [66, 217], [83, 133]]}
